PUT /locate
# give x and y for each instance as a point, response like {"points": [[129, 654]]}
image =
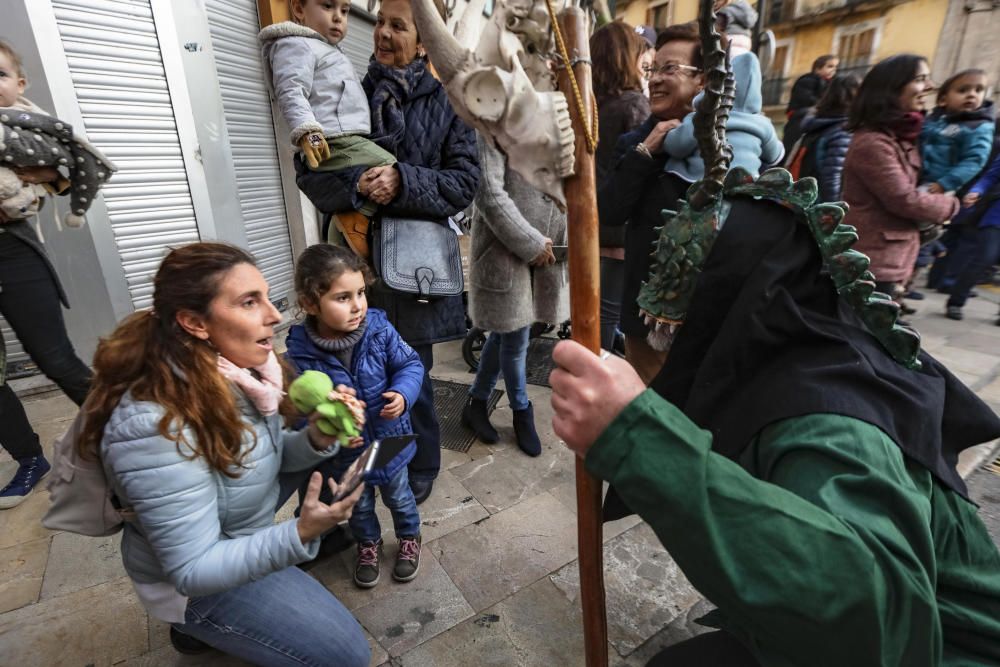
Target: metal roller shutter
{"points": [[114, 59], [247, 107], [358, 44]]}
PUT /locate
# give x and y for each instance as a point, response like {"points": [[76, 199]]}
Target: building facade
{"points": [[969, 39], [657, 13], [859, 32]]}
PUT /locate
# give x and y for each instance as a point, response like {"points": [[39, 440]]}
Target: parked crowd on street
{"points": [[187, 409]]}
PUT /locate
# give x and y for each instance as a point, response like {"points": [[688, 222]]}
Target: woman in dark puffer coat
{"points": [[828, 138], [436, 176]]}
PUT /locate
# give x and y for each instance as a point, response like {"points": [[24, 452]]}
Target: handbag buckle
{"points": [[424, 276]]}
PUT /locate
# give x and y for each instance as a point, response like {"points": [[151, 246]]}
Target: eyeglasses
{"points": [[669, 69]]}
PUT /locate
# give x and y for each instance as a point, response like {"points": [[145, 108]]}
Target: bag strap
{"points": [[425, 277]]}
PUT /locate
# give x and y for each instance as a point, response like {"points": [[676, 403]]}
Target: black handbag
{"points": [[419, 257]]}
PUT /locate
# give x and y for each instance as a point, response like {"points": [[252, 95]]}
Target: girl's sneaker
{"points": [[366, 571], [29, 473], [408, 559]]}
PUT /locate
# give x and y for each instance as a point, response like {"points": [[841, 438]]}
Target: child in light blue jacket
{"points": [[318, 91], [957, 136], [751, 134]]}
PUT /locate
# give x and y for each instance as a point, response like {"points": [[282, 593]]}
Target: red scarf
{"points": [[907, 126]]}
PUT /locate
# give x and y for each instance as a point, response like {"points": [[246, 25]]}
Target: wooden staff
{"points": [[584, 293]]}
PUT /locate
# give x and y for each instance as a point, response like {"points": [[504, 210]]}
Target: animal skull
{"points": [[504, 87]]}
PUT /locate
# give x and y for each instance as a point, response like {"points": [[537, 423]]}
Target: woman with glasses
{"points": [[882, 168], [636, 188]]}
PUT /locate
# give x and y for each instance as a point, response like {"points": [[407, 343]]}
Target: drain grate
{"points": [[449, 399], [539, 362]]}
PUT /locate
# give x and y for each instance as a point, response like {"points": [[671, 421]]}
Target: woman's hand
{"points": [[316, 517], [546, 257], [654, 142], [383, 187], [935, 189], [394, 405], [588, 393], [970, 199]]}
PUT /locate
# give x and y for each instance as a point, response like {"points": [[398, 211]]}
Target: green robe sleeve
{"points": [[818, 549]]}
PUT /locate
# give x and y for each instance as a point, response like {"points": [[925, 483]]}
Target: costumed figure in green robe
{"points": [[796, 455]]}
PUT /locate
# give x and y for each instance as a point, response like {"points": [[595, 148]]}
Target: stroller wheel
{"points": [[472, 346]]}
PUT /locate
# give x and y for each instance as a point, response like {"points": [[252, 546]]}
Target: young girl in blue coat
{"points": [[359, 348]]}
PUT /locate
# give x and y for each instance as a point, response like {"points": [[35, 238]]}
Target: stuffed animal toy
{"points": [[342, 414], [29, 137], [18, 200]]}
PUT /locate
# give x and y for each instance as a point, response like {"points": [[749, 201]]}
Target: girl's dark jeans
{"points": [[29, 301]]}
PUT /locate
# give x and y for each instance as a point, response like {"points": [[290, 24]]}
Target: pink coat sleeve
{"points": [[877, 161]]}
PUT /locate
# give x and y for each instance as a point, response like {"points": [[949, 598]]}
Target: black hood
{"points": [[767, 338]]}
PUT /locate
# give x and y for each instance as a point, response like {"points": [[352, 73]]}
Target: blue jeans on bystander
{"points": [[507, 352]]}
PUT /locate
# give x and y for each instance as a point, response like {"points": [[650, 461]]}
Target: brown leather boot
{"points": [[354, 227]]}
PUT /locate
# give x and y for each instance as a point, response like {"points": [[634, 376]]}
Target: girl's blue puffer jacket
{"points": [[382, 361], [955, 147]]}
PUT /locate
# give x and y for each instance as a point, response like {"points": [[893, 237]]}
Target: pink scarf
{"points": [[264, 393]]}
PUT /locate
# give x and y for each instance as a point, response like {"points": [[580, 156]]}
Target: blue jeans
{"points": [[423, 418], [612, 284], [398, 497], [987, 253], [507, 352], [286, 618]]}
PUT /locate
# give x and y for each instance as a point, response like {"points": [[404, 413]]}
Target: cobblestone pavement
{"points": [[498, 582]]}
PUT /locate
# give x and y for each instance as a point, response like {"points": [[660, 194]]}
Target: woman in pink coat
{"points": [[882, 168]]}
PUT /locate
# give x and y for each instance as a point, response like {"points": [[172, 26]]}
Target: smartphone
{"points": [[377, 455], [354, 475], [561, 252]]}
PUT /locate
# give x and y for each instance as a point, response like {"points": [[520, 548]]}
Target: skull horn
{"points": [[448, 54], [470, 25]]}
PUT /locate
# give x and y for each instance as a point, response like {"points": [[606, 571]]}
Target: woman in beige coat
{"points": [[515, 281]]}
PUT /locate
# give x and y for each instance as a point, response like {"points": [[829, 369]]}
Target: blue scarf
{"points": [[392, 87]]}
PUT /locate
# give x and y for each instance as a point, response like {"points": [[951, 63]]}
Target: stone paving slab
{"points": [[101, 625], [22, 567], [536, 627], [78, 561], [399, 616], [684, 626], [451, 506], [22, 524], [645, 588], [498, 556]]}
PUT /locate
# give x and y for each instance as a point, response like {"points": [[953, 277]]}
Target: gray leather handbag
{"points": [[419, 257]]}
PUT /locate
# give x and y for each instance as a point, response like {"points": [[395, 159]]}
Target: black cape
{"points": [[767, 338]]}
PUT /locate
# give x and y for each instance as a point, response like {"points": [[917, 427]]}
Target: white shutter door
{"points": [[114, 59], [234, 26], [359, 43]]}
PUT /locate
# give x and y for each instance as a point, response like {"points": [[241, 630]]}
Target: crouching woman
{"points": [[184, 413]]}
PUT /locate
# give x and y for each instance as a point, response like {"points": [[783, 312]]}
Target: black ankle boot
{"points": [[524, 429], [477, 417]]}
